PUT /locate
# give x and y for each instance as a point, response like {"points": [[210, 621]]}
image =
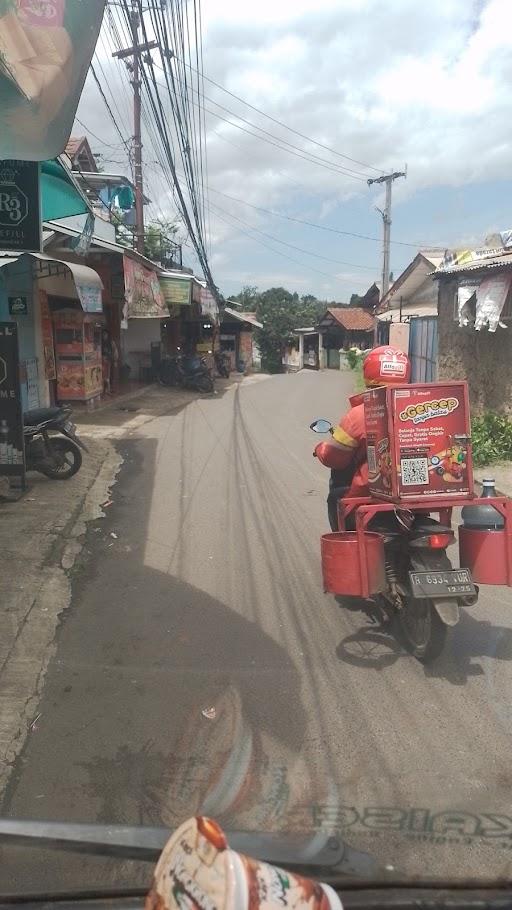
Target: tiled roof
{"points": [[73, 144], [353, 319]]}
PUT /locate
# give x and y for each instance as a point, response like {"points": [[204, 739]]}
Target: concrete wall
{"points": [[136, 340], [483, 358]]}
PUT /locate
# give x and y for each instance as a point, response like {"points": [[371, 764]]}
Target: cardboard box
{"points": [[417, 441]]}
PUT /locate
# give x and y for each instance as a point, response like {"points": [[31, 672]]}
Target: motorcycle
{"points": [[46, 452], [422, 593], [222, 364], [186, 372]]}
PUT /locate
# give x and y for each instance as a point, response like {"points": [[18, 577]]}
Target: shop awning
{"points": [[61, 195], [87, 282]]}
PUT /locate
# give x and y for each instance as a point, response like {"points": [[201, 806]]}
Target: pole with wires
{"points": [[134, 52], [386, 220]]}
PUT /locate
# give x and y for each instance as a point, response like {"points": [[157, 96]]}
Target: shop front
{"points": [[35, 290], [145, 310]]}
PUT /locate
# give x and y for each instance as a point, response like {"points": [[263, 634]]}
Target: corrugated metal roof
{"points": [[353, 319], [502, 261]]}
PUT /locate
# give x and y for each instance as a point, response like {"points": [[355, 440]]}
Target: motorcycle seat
{"points": [[41, 415]]}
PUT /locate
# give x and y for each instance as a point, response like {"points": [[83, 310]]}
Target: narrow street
{"points": [[200, 666]]}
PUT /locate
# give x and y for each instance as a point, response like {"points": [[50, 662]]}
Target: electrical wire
{"points": [[107, 105], [258, 110]]}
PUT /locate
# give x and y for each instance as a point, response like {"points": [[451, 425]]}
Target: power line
{"points": [[292, 246], [320, 227], [258, 110], [107, 105]]}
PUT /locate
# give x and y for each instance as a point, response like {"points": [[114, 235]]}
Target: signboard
{"points": [[176, 291], [45, 50], [18, 306], [142, 292], [209, 305], [32, 383], [12, 450], [90, 296], [20, 206], [47, 336]]}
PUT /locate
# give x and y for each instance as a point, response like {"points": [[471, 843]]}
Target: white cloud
{"points": [[383, 82]]}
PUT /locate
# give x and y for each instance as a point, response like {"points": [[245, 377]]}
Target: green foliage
{"points": [[492, 438], [158, 238], [354, 358]]}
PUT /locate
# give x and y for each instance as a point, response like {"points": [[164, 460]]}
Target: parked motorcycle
{"points": [[186, 372], [222, 364], [421, 593], [55, 457]]}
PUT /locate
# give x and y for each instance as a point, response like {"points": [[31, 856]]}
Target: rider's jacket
{"points": [[346, 449]]}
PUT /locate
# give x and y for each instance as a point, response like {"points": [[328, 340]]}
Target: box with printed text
{"points": [[418, 440]]}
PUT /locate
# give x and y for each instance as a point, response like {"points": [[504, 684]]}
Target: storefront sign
{"points": [[45, 50], [47, 336], [12, 450], [20, 206], [142, 291], [18, 306], [176, 291], [90, 297], [209, 305]]}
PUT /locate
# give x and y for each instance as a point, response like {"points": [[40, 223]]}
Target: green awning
{"points": [[60, 198]]}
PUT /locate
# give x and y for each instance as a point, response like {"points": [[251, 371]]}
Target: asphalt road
{"points": [[201, 667]]}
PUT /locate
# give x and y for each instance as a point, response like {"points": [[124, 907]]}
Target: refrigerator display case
{"points": [[78, 355]]}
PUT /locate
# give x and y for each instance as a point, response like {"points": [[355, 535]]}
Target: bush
{"points": [[354, 358], [492, 438]]}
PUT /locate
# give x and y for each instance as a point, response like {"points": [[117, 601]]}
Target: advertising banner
{"points": [[12, 449], [47, 336], [45, 50], [142, 291], [209, 306], [176, 291], [20, 206]]}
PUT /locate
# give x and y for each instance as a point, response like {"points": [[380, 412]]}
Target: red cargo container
{"points": [[417, 440]]}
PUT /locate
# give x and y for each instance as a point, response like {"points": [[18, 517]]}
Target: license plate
{"points": [[69, 427], [449, 583]]}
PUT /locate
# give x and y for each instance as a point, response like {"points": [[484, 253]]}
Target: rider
{"points": [[345, 452]]}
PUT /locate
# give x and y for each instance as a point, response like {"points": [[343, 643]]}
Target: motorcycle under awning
{"points": [[87, 282]]}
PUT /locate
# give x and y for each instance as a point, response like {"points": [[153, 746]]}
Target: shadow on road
{"points": [[377, 649]]}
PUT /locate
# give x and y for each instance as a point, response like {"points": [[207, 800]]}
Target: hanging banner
{"points": [[490, 299], [47, 336], [45, 50], [12, 448], [176, 291], [465, 291], [209, 305], [20, 205], [142, 292]]}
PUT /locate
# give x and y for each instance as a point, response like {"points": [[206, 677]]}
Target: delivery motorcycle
{"points": [[394, 556], [55, 457]]}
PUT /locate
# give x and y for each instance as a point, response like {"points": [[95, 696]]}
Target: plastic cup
{"points": [[198, 871]]}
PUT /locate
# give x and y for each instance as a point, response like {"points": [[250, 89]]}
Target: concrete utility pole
{"points": [[135, 52], [386, 218]]}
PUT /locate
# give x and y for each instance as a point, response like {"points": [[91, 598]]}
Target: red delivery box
{"points": [[418, 440]]}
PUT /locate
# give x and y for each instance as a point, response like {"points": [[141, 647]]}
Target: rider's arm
{"points": [[339, 451]]}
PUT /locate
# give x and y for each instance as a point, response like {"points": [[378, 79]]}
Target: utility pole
{"points": [[386, 219], [134, 52]]}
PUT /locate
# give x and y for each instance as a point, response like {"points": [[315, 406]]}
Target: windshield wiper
{"points": [[146, 843]]}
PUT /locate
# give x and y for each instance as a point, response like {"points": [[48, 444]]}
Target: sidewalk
{"points": [[40, 536]]}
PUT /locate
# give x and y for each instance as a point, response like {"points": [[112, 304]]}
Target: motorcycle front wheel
{"points": [[63, 461], [205, 384]]}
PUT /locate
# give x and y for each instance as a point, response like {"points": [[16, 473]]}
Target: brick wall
{"points": [[483, 358]]}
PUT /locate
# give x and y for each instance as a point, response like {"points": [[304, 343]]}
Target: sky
{"points": [[390, 84]]}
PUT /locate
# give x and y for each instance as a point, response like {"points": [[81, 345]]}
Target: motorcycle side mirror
{"points": [[321, 425]]}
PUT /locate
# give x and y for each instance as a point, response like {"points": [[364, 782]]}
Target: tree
{"points": [[160, 239], [248, 297]]}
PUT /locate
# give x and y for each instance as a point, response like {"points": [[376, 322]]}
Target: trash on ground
{"points": [[114, 535], [209, 713], [32, 726]]}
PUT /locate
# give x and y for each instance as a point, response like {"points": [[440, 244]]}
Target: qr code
{"points": [[414, 472], [372, 460]]}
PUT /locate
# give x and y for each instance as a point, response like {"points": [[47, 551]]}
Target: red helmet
{"points": [[386, 366]]}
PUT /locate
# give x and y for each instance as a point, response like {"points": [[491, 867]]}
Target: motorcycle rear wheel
{"points": [[65, 460], [422, 628]]}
